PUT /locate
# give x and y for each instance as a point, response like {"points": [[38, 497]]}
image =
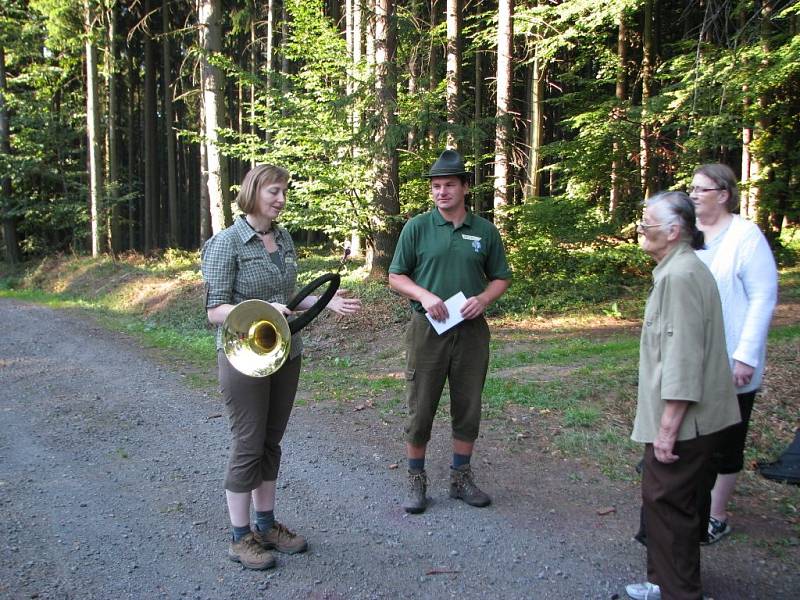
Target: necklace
{"points": [[259, 232]]}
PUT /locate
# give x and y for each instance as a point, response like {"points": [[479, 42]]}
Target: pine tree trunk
{"points": [[94, 135], [132, 154], [112, 133], [536, 121], [748, 166], [386, 201], [356, 48], [169, 131], [503, 131], [206, 228], [151, 187], [453, 76], [621, 94], [434, 57], [477, 136], [10, 238], [648, 67], [209, 12]]}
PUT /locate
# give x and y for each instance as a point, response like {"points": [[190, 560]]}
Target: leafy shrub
{"points": [[565, 257]]}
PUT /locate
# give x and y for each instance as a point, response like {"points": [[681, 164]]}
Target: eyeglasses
{"points": [[645, 226], [702, 190]]}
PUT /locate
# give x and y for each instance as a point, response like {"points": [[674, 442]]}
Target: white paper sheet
{"points": [[453, 304]]}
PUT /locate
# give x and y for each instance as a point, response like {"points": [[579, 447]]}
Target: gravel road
{"points": [[110, 487]]}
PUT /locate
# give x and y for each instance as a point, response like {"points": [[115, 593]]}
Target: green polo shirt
{"points": [[445, 260]]}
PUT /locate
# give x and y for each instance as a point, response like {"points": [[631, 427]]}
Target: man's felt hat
{"points": [[449, 163]]}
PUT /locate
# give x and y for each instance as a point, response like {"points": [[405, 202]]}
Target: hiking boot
{"points": [[250, 553], [716, 531], [643, 591], [280, 538], [463, 486], [416, 500]]}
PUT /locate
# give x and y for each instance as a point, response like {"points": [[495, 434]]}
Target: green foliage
{"points": [[563, 259]]}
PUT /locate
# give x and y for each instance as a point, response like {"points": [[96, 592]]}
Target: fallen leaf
{"points": [[393, 466], [607, 510], [441, 571]]}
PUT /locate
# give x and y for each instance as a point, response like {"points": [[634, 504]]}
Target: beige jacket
{"points": [[682, 355]]}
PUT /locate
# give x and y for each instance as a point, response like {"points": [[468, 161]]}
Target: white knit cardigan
{"points": [[747, 279]]}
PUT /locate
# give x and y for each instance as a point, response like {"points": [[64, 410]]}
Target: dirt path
{"points": [[110, 487]]}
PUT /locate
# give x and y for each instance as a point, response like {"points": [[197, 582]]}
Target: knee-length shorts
{"points": [[258, 410], [460, 357]]}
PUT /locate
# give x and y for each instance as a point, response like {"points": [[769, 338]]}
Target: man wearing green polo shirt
{"points": [[439, 254]]}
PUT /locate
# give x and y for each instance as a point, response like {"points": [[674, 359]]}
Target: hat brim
{"points": [[445, 174]]}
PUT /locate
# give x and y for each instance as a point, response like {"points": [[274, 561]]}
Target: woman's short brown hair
{"points": [[725, 179], [256, 178]]}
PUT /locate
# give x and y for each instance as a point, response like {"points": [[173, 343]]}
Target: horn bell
{"points": [[256, 338]]}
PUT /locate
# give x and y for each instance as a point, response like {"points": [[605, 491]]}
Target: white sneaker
{"points": [[643, 591]]}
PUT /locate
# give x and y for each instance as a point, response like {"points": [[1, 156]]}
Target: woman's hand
{"points": [[281, 308], [342, 305], [663, 447], [671, 419], [742, 373]]}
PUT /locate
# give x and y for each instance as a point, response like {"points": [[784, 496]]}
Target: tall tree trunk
{"points": [[503, 133], [434, 58], [748, 165], [453, 76], [648, 68], [536, 121], [270, 63], [621, 93], [386, 200], [284, 53], [356, 50], [150, 125], [762, 204], [112, 133], [132, 155], [206, 227], [12, 251], [93, 133], [169, 130], [477, 136], [213, 101]]}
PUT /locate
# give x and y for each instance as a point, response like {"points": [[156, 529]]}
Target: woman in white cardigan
{"points": [[741, 261]]}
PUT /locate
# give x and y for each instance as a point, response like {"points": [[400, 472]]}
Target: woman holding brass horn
{"points": [[255, 258]]}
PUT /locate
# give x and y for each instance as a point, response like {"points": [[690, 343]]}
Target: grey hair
{"points": [[680, 210]]}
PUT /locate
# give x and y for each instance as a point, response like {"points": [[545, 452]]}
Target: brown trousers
{"points": [[258, 411], [460, 357], [674, 496]]}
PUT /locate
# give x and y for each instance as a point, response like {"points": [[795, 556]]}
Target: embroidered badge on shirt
{"points": [[476, 241]]}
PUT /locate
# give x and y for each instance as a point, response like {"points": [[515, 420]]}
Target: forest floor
{"points": [[110, 481]]}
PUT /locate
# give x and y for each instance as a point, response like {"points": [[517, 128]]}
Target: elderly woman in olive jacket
{"points": [[685, 397]]}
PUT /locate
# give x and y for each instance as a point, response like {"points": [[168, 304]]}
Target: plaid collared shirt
{"points": [[237, 267]]}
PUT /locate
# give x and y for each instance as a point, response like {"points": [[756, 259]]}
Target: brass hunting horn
{"points": [[257, 338]]}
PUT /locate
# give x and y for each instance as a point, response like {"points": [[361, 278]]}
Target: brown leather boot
{"points": [[282, 539], [250, 553], [416, 500], [462, 486]]}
